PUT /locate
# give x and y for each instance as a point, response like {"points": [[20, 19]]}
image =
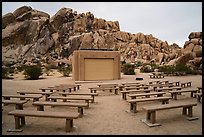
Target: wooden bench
{"points": [[108, 85], [122, 86], [19, 116], [18, 103], [83, 94], [174, 93], [64, 88], [50, 89], [125, 92], [199, 89], [72, 86], [40, 105], [151, 111], [86, 99], [199, 96], [156, 75], [186, 84], [47, 94], [168, 89], [147, 95], [154, 82], [94, 89], [163, 82], [22, 97], [160, 86], [175, 83], [133, 102], [137, 88]]}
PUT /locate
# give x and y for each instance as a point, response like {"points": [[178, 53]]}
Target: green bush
{"points": [[5, 72], [65, 69], [148, 67], [128, 69], [178, 70], [32, 72]]}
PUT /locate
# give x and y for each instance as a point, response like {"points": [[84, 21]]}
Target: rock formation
{"points": [[33, 36]]}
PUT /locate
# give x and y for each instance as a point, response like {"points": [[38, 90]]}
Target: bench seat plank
{"points": [[174, 93], [125, 92], [133, 96], [18, 103], [87, 99], [88, 94], [40, 105], [133, 102], [22, 97], [151, 111], [47, 94], [19, 116]]}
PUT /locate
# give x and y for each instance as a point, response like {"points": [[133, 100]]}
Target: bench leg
{"points": [[124, 96], [69, 125], [35, 99], [151, 117], [22, 98], [92, 98], [191, 94], [133, 107], [80, 110], [19, 121], [40, 108], [22, 120], [116, 91], [19, 106], [46, 97], [87, 101], [175, 96]]}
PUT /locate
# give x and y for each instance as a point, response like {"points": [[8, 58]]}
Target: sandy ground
{"points": [[108, 115]]}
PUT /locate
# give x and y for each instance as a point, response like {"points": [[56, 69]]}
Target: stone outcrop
{"points": [[30, 36]]}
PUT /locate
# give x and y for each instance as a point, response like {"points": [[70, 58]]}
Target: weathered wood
{"points": [[186, 84], [151, 111], [174, 93], [19, 116], [133, 102], [40, 105], [159, 94], [78, 94], [199, 96], [125, 92], [47, 94], [22, 97], [86, 99], [18, 103]]}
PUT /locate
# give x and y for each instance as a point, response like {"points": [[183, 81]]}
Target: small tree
{"points": [[33, 72]]}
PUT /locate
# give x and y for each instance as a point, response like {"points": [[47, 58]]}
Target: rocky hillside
{"points": [[31, 36]]}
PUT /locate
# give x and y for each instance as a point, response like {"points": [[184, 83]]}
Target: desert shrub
{"points": [[179, 69], [32, 72], [138, 64], [7, 72], [128, 69], [169, 70], [65, 69], [4, 72], [148, 67], [48, 70]]}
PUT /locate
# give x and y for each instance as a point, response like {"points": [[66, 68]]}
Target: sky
{"points": [[167, 21]]}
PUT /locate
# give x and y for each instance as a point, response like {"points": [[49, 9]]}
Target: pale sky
{"points": [[167, 21]]}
